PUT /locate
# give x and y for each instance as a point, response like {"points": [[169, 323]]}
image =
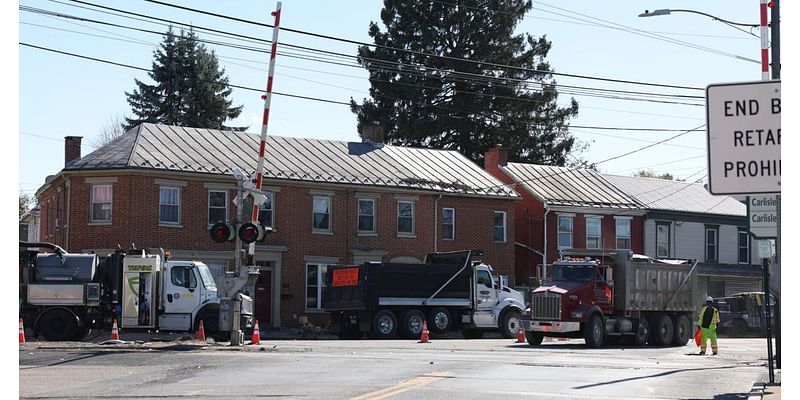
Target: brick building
{"points": [[565, 209], [328, 202]]}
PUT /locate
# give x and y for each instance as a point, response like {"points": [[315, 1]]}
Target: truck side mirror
{"points": [[609, 277]]}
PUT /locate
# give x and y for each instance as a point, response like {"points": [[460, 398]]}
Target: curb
{"points": [[757, 391]]}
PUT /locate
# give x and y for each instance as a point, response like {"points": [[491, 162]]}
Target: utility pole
{"points": [[775, 34]]}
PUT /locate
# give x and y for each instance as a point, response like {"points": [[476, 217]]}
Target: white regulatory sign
{"points": [[744, 137]]}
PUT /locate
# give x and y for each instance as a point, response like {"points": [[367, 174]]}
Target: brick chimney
{"points": [[72, 148], [372, 132], [496, 157]]}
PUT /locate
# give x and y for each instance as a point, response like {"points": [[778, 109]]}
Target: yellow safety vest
{"points": [[714, 318]]}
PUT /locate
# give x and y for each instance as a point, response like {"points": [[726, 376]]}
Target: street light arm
{"points": [[654, 13]]}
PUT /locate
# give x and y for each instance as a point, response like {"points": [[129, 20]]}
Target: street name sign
{"points": [[762, 214], [743, 121]]}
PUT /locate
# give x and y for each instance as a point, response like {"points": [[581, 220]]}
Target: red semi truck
{"points": [[605, 297]]}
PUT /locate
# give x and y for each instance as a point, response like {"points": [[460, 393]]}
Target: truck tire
{"points": [[594, 332], [661, 331], [642, 333], [210, 322], [534, 339], [384, 325], [59, 325], [411, 324], [510, 324], [440, 320], [682, 331], [472, 333]]}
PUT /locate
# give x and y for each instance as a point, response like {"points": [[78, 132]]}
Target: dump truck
{"points": [[449, 291], [606, 297], [63, 296]]}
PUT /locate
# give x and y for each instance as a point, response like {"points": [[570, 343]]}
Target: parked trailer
{"points": [[449, 290], [634, 297], [64, 295]]}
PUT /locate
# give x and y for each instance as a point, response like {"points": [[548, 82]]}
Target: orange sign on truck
{"points": [[345, 277]]}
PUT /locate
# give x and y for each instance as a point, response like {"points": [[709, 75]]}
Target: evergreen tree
{"points": [[468, 100], [190, 90]]}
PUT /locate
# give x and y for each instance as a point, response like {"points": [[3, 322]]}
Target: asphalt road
{"points": [[397, 369]]}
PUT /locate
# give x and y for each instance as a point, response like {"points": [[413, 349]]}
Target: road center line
{"points": [[404, 386]]}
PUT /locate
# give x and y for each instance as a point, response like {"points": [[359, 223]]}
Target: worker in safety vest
{"points": [[707, 321]]}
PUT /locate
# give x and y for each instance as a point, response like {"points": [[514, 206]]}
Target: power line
{"points": [[322, 36], [395, 67]]}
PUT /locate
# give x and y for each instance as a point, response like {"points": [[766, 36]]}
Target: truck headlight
{"points": [[576, 314]]}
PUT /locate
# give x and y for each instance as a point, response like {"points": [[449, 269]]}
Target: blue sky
{"points": [[61, 95]]}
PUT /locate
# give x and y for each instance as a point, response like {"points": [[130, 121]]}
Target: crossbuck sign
{"points": [[744, 137]]}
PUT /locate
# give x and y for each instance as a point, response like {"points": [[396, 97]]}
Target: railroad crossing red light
{"points": [[222, 232], [250, 232]]}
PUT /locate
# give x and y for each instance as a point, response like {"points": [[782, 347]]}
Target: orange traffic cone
{"points": [[256, 338], [114, 331], [423, 338], [521, 335], [201, 333], [21, 332]]}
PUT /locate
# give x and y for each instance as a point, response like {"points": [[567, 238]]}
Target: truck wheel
{"points": [[681, 331], [210, 323], [594, 332], [642, 333], [510, 324], [411, 325], [59, 325], [472, 333], [440, 320], [534, 339], [384, 325], [661, 331]]}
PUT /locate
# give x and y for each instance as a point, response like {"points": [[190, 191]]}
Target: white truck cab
{"points": [[183, 292], [497, 305]]}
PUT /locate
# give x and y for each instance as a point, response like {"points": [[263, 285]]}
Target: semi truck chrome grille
{"points": [[546, 306]]}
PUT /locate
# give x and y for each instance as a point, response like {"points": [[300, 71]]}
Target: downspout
{"points": [[544, 258], [67, 222], [436, 225]]}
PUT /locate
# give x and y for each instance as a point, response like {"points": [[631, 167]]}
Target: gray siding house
{"points": [[684, 220]]}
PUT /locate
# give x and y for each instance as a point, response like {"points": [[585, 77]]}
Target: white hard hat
{"points": [[709, 298]]}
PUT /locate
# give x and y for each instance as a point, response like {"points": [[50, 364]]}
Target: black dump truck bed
{"points": [[362, 287]]}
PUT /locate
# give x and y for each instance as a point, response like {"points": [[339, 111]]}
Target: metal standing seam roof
{"points": [[661, 194], [560, 186], [173, 148]]}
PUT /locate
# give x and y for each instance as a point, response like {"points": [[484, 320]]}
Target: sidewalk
{"points": [[766, 391]]}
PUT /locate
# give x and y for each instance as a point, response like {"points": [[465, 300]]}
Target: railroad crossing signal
{"points": [[248, 232]]}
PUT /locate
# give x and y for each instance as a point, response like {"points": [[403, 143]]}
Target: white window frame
{"points": [[452, 224], [160, 217], [716, 244], [627, 222], [322, 268], [359, 215], [571, 232], [92, 203], [739, 247], [262, 209], [599, 236], [669, 239], [225, 206], [413, 219], [329, 200], [504, 226]]}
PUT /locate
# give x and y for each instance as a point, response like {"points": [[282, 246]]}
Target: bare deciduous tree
{"points": [[114, 128]]}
